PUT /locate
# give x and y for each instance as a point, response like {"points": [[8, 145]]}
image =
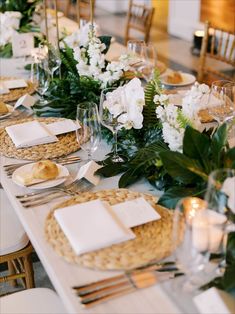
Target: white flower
{"points": [[172, 136], [126, 104], [203, 88], [162, 99]]}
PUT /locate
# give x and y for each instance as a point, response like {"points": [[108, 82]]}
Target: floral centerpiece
{"points": [[84, 73], [15, 16], [175, 153]]}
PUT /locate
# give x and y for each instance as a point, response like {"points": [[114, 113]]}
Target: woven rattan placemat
{"points": [[152, 242], [16, 93], [67, 144]]}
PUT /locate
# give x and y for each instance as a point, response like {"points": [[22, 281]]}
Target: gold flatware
{"points": [[154, 266], [129, 283]]}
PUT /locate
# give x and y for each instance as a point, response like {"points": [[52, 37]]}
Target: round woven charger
{"points": [[152, 242], [67, 144], [16, 93]]}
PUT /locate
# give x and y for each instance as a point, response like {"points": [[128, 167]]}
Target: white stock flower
{"points": [[172, 136]]}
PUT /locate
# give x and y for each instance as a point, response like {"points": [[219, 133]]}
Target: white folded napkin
{"points": [[11, 84], [91, 226], [29, 134]]}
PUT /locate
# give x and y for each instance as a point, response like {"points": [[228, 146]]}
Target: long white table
{"points": [[156, 299]]}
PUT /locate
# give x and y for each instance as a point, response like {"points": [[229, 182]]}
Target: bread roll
{"points": [[45, 169], [3, 108], [174, 78]]}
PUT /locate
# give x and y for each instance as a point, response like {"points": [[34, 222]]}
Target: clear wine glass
{"points": [[53, 60], [190, 239], [149, 61], [135, 51], [39, 76], [221, 101], [89, 135], [110, 110]]}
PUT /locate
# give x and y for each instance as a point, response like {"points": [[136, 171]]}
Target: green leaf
{"points": [[129, 177], [182, 168], [111, 170], [219, 141], [171, 197], [195, 144], [229, 159]]}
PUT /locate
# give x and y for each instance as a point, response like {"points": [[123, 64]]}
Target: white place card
{"points": [[215, 301], [12, 84], [64, 126], [135, 212], [30, 134], [91, 226], [87, 171], [26, 101], [22, 44]]}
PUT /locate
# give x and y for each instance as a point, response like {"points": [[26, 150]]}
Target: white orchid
{"points": [[126, 104], [10, 23]]}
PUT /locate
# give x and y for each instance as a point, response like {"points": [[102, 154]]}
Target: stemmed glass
{"points": [[89, 135], [190, 239], [149, 61], [221, 101], [135, 51], [40, 76], [53, 61], [109, 117]]}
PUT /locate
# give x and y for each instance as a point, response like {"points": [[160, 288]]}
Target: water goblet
{"points": [[223, 96], [89, 135], [110, 110], [39, 76]]}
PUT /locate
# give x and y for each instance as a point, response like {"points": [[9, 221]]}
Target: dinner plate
{"points": [[27, 169], [10, 110], [188, 79]]}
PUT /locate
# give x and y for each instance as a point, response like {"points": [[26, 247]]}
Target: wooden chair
{"points": [[32, 301], [15, 248], [81, 7], [219, 46], [139, 18]]}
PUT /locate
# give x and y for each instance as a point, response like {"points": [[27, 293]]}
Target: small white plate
{"points": [[188, 79], [10, 110], [27, 169]]}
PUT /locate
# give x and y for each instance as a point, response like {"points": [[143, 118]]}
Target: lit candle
{"points": [[191, 206]]}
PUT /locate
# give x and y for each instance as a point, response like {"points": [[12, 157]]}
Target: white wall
{"points": [[184, 18], [117, 6], [113, 6]]}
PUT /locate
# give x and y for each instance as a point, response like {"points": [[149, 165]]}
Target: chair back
{"points": [[79, 7], [218, 45], [139, 18]]}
